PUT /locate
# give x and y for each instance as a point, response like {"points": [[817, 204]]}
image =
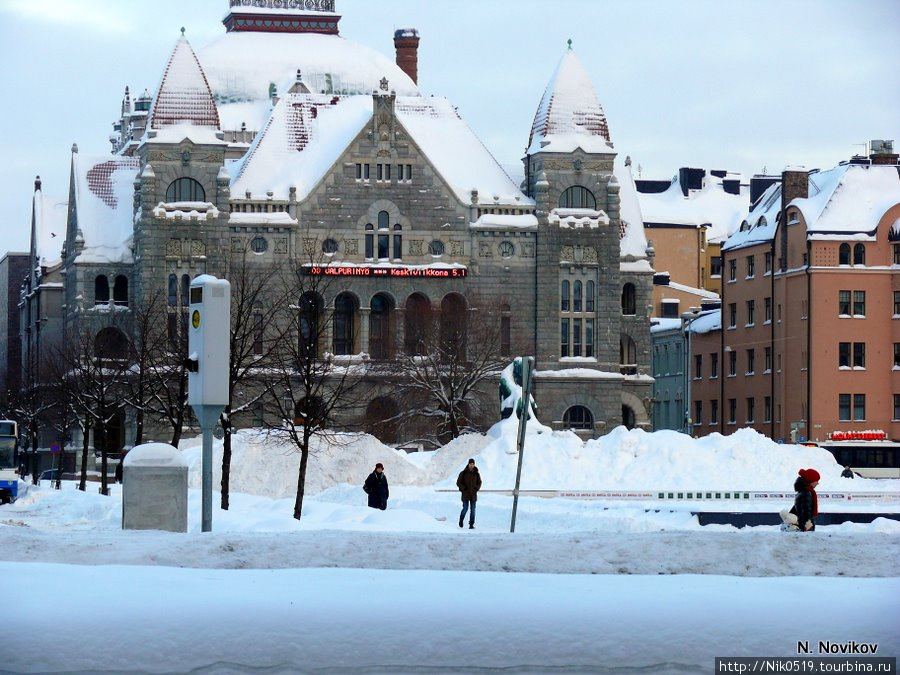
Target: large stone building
{"points": [[317, 148]]}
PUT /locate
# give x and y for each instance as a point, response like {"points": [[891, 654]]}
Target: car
{"points": [[49, 474]]}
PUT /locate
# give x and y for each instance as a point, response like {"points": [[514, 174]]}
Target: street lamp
{"points": [[687, 318]]}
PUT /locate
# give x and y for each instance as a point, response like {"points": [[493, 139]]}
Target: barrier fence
{"points": [[703, 495]]}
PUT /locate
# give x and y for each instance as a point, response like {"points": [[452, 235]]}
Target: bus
{"points": [[9, 461], [869, 459]]}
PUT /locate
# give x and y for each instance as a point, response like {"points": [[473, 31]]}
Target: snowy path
{"points": [[758, 552]]}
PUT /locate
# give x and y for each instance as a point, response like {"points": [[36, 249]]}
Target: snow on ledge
{"points": [[578, 218], [186, 210]]}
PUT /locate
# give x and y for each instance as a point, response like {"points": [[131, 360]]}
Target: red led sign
{"points": [[430, 272]]}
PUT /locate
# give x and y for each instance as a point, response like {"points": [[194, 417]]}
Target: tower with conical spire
{"points": [[569, 172]]}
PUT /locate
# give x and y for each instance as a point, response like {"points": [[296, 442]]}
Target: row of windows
{"points": [[384, 172], [576, 296], [851, 408], [850, 303]]}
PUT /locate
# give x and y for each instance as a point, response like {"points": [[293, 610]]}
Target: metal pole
{"points": [[527, 365], [207, 415]]}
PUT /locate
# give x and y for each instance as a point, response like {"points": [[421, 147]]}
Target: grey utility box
{"points": [[154, 489]]}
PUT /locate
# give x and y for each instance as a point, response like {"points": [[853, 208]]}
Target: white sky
{"points": [[737, 86], [582, 586]]}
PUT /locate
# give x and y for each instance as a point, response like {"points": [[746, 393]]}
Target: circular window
{"points": [[329, 246], [436, 248], [259, 245], [506, 249]]}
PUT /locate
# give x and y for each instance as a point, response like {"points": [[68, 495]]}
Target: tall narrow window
{"points": [[859, 254], [120, 291], [417, 321], [844, 407], [398, 241], [564, 337], [257, 333], [859, 303], [576, 296], [564, 296], [344, 323], [589, 338], [859, 407], [308, 338], [173, 290], [370, 241], [628, 299], [576, 337], [101, 290], [505, 330], [844, 254], [844, 303], [589, 296]]}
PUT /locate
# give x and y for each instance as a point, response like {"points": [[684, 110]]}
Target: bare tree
{"points": [[447, 361], [95, 368], [256, 298], [313, 390]]}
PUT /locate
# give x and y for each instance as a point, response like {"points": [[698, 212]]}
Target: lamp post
{"points": [[687, 319]]}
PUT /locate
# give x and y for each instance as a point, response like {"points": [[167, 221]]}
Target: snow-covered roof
{"points": [[633, 239], [240, 66], [723, 211], [851, 198], [307, 133], [570, 115], [183, 95], [846, 201], [50, 217], [104, 197]]}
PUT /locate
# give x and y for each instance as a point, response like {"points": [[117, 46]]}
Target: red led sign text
{"points": [[431, 272]]}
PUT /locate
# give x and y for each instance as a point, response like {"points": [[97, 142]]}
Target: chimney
{"points": [[882, 152], [406, 43], [794, 185]]}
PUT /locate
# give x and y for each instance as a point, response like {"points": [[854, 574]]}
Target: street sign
{"points": [[798, 425], [54, 447]]}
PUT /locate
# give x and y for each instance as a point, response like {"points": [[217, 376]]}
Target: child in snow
{"points": [[806, 503]]}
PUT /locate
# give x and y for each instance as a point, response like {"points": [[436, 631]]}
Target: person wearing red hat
{"points": [[806, 503], [376, 486]]}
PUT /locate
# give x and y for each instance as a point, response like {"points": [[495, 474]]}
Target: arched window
{"points": [[173, 290], [454, 327], [576, 296], [110, 343], [381, 345], [628, 300], [398, 241], [344, 324], [844, 254], [564, 296], [577, 197], [627, 355], [416, 324], [383, 236], [120, 291], [370, 241], [859, 254], [578, 417], [329, 247], [589, 297], [101, 290], [308, 329], [185, 190]]}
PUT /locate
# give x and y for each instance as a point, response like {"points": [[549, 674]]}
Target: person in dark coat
{"points": [[469, 483], [847, 472], [376, 486], [806, 503]]}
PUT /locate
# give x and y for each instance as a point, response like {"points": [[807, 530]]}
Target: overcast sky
{"points": [[744, 86]]}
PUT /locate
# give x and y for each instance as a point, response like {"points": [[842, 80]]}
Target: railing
{"points": [[309, 5]]}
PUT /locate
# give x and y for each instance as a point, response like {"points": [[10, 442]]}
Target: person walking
{"points": [[469, 483], [376, 486]]}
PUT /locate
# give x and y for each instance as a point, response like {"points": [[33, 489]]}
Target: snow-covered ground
{"points": [[582, 586]]}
